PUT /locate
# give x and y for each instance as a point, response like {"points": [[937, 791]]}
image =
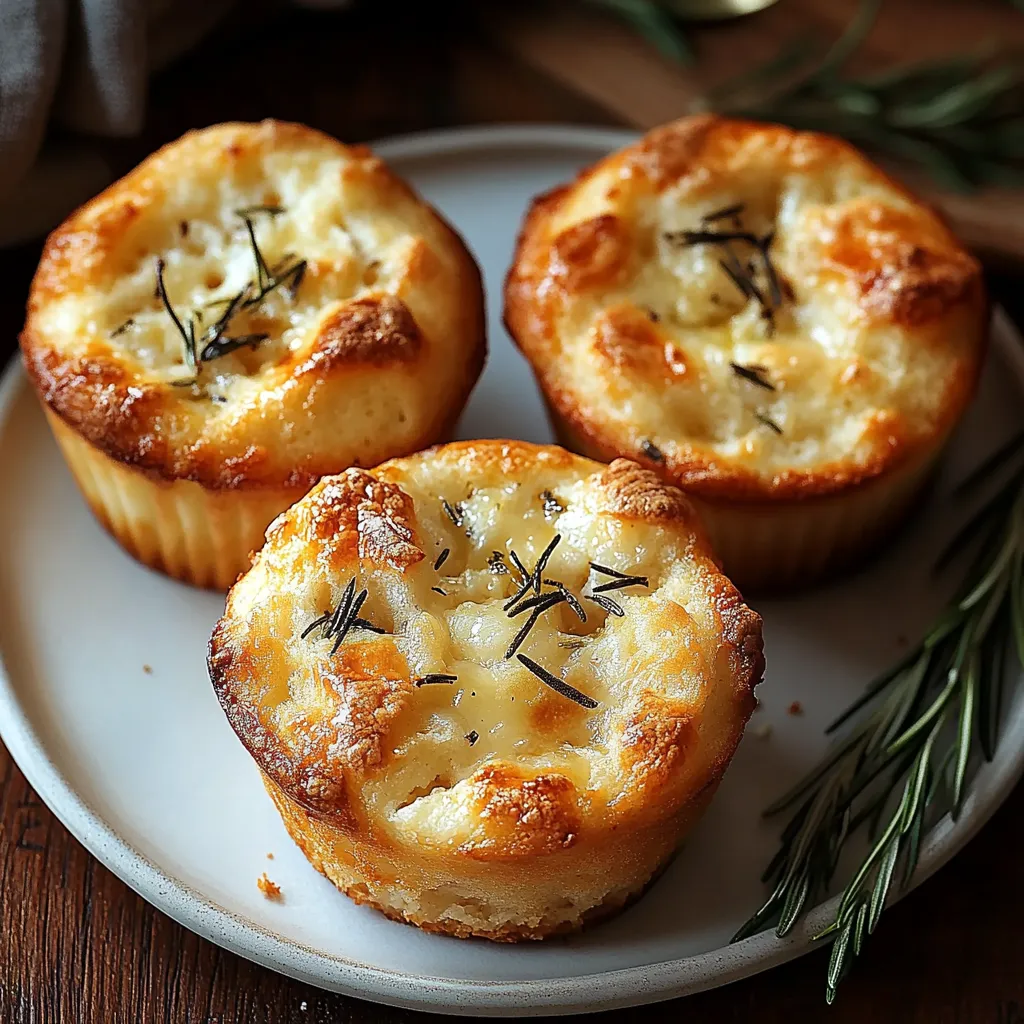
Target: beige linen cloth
{"points": [[80, 67]]}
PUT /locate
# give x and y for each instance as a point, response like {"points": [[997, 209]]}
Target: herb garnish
{"points": [[472, 736], [440, 559], [905, 759], [724, 213], [266, 279], [742, 274], [435, 677], [552, 506], [496, 563], [188, 337], [118, 331], [531, 580], [556, 684], [438, 590], [618, 584], [606, 571], [457, 517], [570, 598], [339, 622], [248, 211], [517, 562], [216, 342], [542, 562], [754, 374], [218, 345], [606, 603], [539, 605], [651, 450], [766, 420]]}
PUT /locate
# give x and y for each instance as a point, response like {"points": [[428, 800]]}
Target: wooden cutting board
{"points": [[597, 56]]}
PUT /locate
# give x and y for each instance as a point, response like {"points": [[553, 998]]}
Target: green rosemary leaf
{"points": [[859, 929], [793, 904], [837, 963], [788, 798], [854, 100], [979, 524], [902, 702], [994, 669], [965, 730], [985, 584], [873, 689], [655, 25], [957, 104], [1017, 606], [918, 79], [855, 34], [883, 880], [900, 763], [913, 845]]}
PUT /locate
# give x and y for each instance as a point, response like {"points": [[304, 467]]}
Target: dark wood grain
{"points": [[79, 946]]}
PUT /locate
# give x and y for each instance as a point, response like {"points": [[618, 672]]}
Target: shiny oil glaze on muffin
{"points": [[491, 686]]}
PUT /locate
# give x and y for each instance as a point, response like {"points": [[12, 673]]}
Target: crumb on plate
{"points": [[148, 669], [270, 889], [763, 731], [796, 708], [270, 856]]}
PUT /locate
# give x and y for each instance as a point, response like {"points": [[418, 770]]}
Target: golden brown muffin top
{"points": [[491, 649], [255, 304], [753, 310]]}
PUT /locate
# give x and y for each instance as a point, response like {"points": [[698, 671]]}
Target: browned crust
{"points": [[634, 492], [356, 516], [112, 404], [296, 824], [377, 332], [913, 278], [521, 816]]}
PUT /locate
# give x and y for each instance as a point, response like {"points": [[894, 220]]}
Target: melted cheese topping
{"points": [[671, 675], [636, 333], [379, 341]]}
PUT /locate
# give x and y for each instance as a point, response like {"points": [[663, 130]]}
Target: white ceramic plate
{"points": [[143, 768]]}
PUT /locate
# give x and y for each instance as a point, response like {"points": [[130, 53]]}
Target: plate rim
{"points": [[604, 990]]}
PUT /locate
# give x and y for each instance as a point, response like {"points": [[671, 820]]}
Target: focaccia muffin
{"points": [[491, 686], [254, 306], [764, 318]]}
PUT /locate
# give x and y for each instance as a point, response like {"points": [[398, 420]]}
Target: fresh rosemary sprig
{"points": [[188, 334], [961, 119], [908, 743]]}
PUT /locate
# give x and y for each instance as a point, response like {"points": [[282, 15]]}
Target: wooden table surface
{"points": [[79, 946]]}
